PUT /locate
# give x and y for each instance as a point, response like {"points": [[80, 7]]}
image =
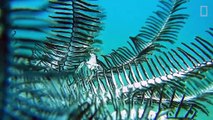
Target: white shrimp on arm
{"points": [[92, 63], [86, 70]]}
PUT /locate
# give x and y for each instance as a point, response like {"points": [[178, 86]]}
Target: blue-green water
{"points": [[124, 18]]}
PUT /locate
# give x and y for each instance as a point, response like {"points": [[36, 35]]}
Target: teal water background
{"points": [[124, 18]]}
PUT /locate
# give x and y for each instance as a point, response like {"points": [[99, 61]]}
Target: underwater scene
{"points": [[106, 59]]}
